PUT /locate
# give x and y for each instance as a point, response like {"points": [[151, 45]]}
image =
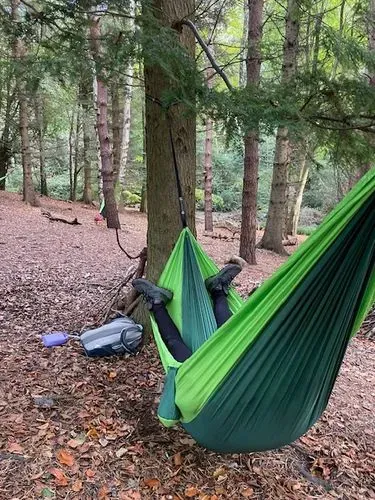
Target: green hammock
{"points": [[265, 377]]}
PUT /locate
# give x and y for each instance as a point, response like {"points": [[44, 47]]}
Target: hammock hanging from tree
{"points": [[265, 377]]}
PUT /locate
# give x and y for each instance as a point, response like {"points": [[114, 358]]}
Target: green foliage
{"points": [[131, 198], [306, 230], [218, 204]]}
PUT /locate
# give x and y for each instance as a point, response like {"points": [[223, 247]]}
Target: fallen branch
{"points": [[52, 218]]}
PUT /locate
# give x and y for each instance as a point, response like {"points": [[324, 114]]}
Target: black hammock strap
{"points": [[178, 180]]}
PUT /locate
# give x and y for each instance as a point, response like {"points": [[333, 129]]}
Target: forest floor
{"points": [[95, 434]]}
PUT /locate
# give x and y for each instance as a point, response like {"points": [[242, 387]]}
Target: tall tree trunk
{"points": [[71, 155], [164, 224], [77, 168], [116, 127], [96, 140], [208, 221], [19, 53], [244, 41], [5, 143], [39, 116], [273, 233], [297, 178], [251, 159], [86, 104], [371, 45], [102, 127], [126, 126], [143, 205]]}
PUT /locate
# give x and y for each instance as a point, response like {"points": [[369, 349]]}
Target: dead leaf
{"points": [[153, 483], [103, 442], [129, 495], [77, 441], [247, 492], [191, 492], [93, 433], [77, 486], [90, 473], [60, 477], [103, 492], [15, 448], [177, 459], [121, 452], [112, 375], [64, 457]]}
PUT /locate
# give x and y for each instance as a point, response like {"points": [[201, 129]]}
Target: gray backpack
{"points": [[120, 336]]}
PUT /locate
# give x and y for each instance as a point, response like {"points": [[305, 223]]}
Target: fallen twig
{"points": [[52, 218]]}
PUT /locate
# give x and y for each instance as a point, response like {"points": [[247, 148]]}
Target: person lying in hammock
{"points": [[156, 298]]}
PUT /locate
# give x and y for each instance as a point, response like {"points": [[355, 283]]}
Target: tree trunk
{"points": [[103, 132], [39, 115], [96, 140], [244, 41], [19, 53], [71, 155], [116, 127], [251, 159], [143, 205], [5, 143], [125, 142], [298, 174], [273, 233], [85, 98], [208, 221], [126, 124], [371, 45], [164, 223], [77, 169]]}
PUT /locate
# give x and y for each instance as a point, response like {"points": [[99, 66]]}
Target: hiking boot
{"points": [[152, 293], [222, 280]]}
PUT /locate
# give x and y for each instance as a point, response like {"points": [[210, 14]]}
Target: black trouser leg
{"points": [[170, 334], [221, 308]]}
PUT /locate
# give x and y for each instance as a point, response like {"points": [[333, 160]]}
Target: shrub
{"points": [[217, 201], [131, 198], [306, 230]]}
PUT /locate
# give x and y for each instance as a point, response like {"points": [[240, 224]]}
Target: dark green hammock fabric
{"points": [[265, 377]]}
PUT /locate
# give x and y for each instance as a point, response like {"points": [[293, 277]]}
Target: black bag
{"points": [[120, 336]]}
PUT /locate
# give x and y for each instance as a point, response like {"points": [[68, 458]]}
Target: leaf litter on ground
{"points": [[82, 429]]}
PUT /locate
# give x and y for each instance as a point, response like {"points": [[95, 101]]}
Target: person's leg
{"points": [[156, 298], [218, 286], [169, 333], [221, 308]]}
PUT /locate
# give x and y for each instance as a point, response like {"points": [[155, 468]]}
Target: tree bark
{"points": [[297, 178], [39, 115], [143, 204], [164, 223], [208, 220], [244, 41], [273, 233], [19, 53], [371, 46], [125, 141], [102, 128], [5, 142], [71, 155], [77, 168], [86, 104], [116, 127], [251, 159]]}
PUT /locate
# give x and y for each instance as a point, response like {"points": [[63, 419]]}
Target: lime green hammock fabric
{"points": [[265, 377]]}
